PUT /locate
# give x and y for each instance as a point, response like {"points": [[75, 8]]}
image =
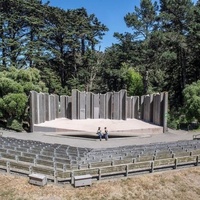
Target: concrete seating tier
{"points": [[61, 162]]}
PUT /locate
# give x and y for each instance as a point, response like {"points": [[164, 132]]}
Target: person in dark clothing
{"points": [[99, 133], [106, 133]]}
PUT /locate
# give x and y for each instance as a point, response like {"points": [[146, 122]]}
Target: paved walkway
{"points": [[61, 138]]}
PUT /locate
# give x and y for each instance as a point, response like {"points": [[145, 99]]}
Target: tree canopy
{"points": [[46, 48]]}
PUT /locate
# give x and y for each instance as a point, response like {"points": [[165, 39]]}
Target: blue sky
{"points": [[109, 12]]}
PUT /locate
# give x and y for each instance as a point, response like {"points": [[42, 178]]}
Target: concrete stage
{"points": [[88, 127]]}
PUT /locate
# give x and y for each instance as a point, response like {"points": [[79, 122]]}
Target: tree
{"points": [[15, 86], [71, 42], [143, 22], [192, 41], [192, 101], [20, 33], [132, 79], [112, 79], [175, 16], [89, 74], [50, 39]]}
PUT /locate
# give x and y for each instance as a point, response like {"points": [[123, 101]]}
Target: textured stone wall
{"points": [[112, 105]]}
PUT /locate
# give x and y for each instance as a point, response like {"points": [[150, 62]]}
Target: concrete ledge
{"points": [[89, 126], [82, 180], [38, 179]]}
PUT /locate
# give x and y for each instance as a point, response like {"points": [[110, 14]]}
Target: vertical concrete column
{"points": [[108, 106], [62, 106], [122, 104], [96, 106], [132, 107], [156, 109], [37, 119], [44, 108], [102, 111], [128, 107], [69, 107], [57, 105], [88, 105], [47, 107], [75, 101], [147, 108], [165, 111], [82, 105], [116, 105], [92, 106], [52, 107], [161, 108], [40, 106], [151, 107], [142, 107], [33, 109], [135, 107], [41, 111], [112, 106]]}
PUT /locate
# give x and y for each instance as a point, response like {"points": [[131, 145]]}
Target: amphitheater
{"points": [[61, 158], [62, 149]]}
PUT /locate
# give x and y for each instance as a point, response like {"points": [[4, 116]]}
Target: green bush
{"points": [[15, 86], [192, 101], [175, 118], [13, 105], [173, 124], [9, 86], [15, 125]]}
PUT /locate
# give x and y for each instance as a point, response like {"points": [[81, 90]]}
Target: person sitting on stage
{"points": [[99, 133], [106, 133]]}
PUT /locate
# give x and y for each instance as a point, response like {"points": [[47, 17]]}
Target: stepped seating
{"points": [[60, 163]]}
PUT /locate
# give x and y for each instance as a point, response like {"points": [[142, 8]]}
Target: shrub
{"points": [[13, 105], [15, 86], [192, 101], [15, 125]]}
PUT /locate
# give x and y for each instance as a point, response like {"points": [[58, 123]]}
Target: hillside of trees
{"points": [[52, 50]]}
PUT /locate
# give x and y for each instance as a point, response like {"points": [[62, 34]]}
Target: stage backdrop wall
{"points": [[112, 105]]}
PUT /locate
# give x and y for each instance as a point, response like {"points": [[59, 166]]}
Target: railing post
{"points": [[30, 170], [8, 167], [16, 158], [64, 168], [175, 163], [35, 161], [55, 176], [72, 177], [197, 160], [152, 166], [99, 172], [126, 170]]}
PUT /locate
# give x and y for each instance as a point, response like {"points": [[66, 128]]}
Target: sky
{"points": [[109, 12]]}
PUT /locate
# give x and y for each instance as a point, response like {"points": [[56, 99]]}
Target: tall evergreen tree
{"points": [[143, 23], [193, 39], [175, 17], [20, 22]]}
